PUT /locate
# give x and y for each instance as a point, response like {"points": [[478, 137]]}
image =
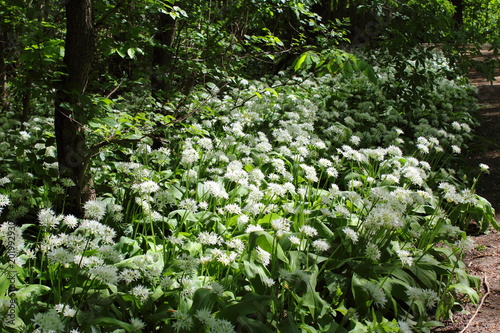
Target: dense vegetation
{"points": [[243, 166]]}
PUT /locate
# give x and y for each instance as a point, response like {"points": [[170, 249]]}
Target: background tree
{"points": [[71, 104]]}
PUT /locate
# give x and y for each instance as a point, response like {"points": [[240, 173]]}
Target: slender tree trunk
{"points": [[69, 107], [4, 92], [459, 12], [163, 55]]}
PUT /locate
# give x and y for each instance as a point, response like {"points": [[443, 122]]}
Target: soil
{"points": [[484, 260]]}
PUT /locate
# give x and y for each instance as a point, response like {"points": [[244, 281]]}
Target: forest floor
{"points": [[484, 260]]}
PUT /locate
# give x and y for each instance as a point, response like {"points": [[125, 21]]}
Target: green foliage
{"points": [[331, 202], [333, 62], [481, 20], [303, 203]]}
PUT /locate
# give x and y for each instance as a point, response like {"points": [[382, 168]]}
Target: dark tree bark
{"points": [[459, 12], [162, 55], [5, 47], [4, 93], [70, 109]]}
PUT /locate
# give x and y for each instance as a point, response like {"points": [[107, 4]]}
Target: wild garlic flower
{"points": [[183, 321], [254, 208], [106, 233], [4, 200], [237, 244], [137, 324], [209, 238], [350, 234], [48, 219], [189, 205], [105, 273], [108, 252], [456, 149], [405, 257], [282, 226], [376, 292], [65, 309], [4, 180], [205, 316], [415, 175], [320, 245], [70, 221], [427, 297], [205, 143], [146, 187], [355, 140], [188, 263], [215, 189], [310, 173], [11, 236], [233, 209], [484, 167], [189, 156], [276, 190], [308, 231], [294, 240], [465, 244], [372, 252], [217, 288], [129, 275], [48, 321], [268, 281], [404, 327], [61, 256], [140, 292], [225, 258], [95, 209], [263, 256]]}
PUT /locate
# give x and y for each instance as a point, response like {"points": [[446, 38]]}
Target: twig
{"points": [[108, 14], [114, 90], [480, 304]]}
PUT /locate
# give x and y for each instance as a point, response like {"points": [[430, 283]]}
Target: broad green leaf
{"points": [[252, 325], [31, 290], [111, 322], [250, 303], [466, 290], [203, 299], [288, 326], [300, 61]]}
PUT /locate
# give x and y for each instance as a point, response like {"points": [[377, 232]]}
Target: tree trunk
{"points": [[162, 55], [4, 92], [69, 116], [459, 12]]}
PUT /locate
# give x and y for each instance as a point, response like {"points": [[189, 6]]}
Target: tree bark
{"points": [[70, 109], [4, 91], [459, 12], [162, 55]]}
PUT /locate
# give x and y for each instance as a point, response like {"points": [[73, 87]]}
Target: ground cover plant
{"points": [[294, 203]]}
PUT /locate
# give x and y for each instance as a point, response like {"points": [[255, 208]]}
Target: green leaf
{"points": [[288, 326], [466, 290], [250, 303], [111, 322], [121, 53], [31, 290], [300, 60], [370, 74], [203, 299], [252, 325]]}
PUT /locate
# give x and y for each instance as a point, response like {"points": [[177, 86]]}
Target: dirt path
{"points": [[484, 261]]}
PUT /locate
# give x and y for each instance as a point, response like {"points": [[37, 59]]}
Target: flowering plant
{"points": [[321, 204]]}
